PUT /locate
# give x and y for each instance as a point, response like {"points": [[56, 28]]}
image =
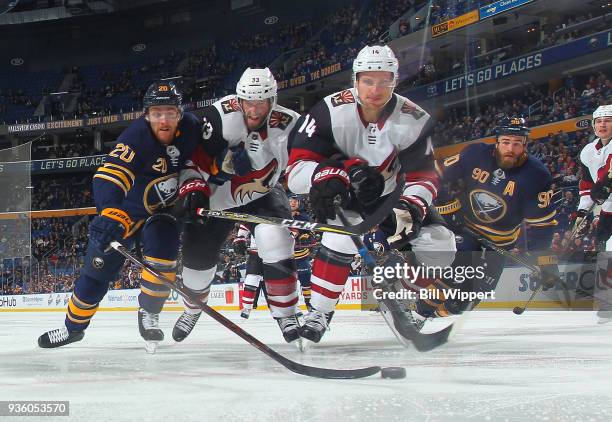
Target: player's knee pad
{"points": [[338, 243], [274, 243], [198, 280], [252, 280], [435, 246]]}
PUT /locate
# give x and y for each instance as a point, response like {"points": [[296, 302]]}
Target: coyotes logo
{"points": [[280, 120], [229, 106], [409, 108], [257, 181], [342, 97]]}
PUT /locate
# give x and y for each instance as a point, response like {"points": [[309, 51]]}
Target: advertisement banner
{"points": [[499, 7], [514, 288], [455, 23], [511, 67], [55, 165], [222, 296]]}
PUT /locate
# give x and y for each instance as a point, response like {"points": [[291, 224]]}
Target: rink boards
{"points": [[514, 288]]}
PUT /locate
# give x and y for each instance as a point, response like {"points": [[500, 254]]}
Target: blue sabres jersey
{"points": [[140, 176], [494, 201], [304, 240]]}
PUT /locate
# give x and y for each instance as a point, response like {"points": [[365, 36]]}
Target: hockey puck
{"points": [[393, 372]]}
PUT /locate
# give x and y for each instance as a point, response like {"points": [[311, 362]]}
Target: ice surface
{"points": [[548, 366]]}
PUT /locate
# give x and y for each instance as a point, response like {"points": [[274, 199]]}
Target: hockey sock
{"points": [[280, 280], [153, 293], [330, 270]]}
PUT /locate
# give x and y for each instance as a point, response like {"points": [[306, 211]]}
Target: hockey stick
{"points": [[400, 326], [293, 366], [518, 310], [370, 221]]}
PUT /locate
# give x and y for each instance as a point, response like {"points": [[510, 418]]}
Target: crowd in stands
{"points": [[80, 146], [212, 70], [58, 244], [580, 97], [502, 48]]}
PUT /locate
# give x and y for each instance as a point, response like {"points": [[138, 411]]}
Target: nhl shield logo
{"points": [[174, 154], [97, 263], [487, 206]]}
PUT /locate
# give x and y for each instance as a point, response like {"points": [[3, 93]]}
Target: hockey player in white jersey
{"points": [[355, 141], [595, 187], [237, 167]]}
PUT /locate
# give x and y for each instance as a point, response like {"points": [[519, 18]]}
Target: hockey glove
{"points": [[112, 224], [193, 194], [408, 217], [601, 190], [367, 183], [230, 162], [580, 225], [329, 182], [549, 268]]}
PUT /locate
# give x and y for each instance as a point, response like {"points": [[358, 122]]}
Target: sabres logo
{"points": [[342, 97], [487, 206], [229, 106], [280, 120], [257, 181]]}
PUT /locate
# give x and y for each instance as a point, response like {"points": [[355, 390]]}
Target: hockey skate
{"points": [[397, 312], [289, 327], [245, 313], [184, 325], [315, 325], [148, 325], [59, 337]]}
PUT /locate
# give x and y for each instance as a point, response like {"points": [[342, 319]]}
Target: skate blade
{"points": [[302, 344], [151, 347]]}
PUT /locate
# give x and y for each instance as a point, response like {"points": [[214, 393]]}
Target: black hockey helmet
{"points": [[512, 126], [163, 93]]}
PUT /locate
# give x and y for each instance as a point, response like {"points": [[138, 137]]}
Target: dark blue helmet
{"points": [[163, 93], [512, 126]]}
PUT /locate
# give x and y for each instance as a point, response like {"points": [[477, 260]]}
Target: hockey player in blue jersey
{"points": [[304, 241], [502, 187], [133, 191]]}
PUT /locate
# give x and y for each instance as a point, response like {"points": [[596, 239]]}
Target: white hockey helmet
{"points": [[375, 58], [602, 111], [257, 84]]}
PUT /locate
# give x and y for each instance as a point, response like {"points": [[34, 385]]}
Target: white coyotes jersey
{"points": [[335, 125], [596, 162], [224, 126]]}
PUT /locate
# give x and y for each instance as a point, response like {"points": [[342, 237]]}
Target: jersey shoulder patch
{"points": [[411, 108], [230, 106], [280, 120], [342, 97]]}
